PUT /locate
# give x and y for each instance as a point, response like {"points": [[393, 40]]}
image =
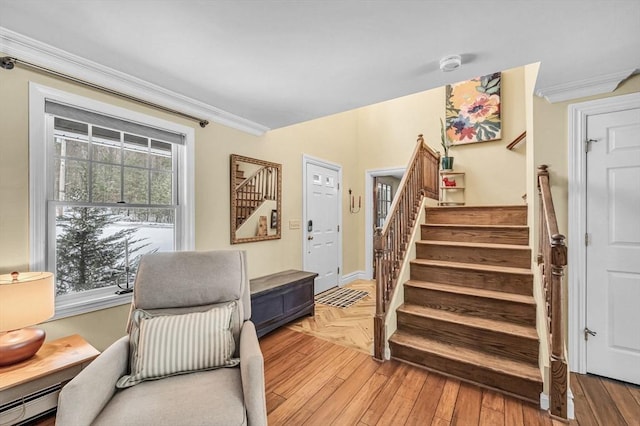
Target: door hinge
{"points": [[338, 270], [586, 239], [588, 332], [338, 228]]}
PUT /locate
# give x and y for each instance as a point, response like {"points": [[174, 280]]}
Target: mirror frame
{"points": [[235, 159]]}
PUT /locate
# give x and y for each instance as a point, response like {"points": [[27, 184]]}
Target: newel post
{"points": [[378, 321], [558, 392]]}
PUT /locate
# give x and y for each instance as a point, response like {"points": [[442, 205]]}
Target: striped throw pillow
{"points": [[166, 345]]}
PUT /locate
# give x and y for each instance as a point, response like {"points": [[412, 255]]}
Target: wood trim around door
{"points": [[368, 213]]}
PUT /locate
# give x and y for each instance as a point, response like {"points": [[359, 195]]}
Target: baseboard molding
{"points": [[544, 404], [356, 275]]}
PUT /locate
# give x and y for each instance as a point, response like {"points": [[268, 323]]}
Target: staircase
{"points": [[248, 198], [469, 310]]}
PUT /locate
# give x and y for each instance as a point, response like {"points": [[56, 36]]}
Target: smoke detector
{"points": [[450, 63]]}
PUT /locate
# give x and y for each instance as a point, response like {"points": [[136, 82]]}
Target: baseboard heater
{"points": [[25, 410]]}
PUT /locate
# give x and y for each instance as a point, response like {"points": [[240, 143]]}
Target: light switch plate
{"points": [[294, 224]]}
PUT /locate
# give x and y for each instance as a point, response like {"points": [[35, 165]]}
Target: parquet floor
{"points": [[351, 327]]}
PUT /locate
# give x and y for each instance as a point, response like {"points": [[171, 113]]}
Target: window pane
{"points": [[106, 183], [71, 138], [161, 155], [136, 150], [161, 188], [136, 185], [71, 180], [106, 145], [94, 246]]}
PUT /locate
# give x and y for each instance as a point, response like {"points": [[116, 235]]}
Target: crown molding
{"points": [[582, 88], [42, 54]]}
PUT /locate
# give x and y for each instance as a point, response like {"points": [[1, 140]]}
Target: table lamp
{"points": [[26, 299]]}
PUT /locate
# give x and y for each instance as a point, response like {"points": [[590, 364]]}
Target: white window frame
{"points": [[101, 298]]}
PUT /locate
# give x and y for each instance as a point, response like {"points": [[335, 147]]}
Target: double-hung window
{"points": [[114, 186]]}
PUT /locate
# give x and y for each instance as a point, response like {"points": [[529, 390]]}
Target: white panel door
{"points": [[613, 252], [322, 248]]}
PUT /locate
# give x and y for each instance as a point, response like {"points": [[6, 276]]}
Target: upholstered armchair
{"points": [[176, 299]]}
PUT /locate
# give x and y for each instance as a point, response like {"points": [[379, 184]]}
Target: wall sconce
{"points": [[25, 299], [352, 203]]}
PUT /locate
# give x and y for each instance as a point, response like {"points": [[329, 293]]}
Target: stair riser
{"points": [[489, 280], [516, 236], [517, 348], [505, 215], [515, 258], [525, 389], [483, 307]]}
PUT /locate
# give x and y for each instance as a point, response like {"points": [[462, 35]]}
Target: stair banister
{"points": [[553, 260], [391, 241]]}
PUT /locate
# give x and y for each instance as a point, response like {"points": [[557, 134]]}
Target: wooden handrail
{"points": [[552, 259], [517, 140], [391, 242]]}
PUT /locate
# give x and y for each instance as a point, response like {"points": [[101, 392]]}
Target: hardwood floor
{"points": [[602, 401], [310, 381], [318, 371]]}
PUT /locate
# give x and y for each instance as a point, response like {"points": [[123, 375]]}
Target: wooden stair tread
{"points": [[461, 225], [471, 321], [472, 291], [472, 266], [473, 245], [460, 353], [484, 207]]}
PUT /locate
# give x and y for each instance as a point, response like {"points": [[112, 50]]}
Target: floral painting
{"points": [[473, 110]]}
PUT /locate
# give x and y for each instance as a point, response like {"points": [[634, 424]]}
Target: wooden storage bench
{"points": [[279, 298]]}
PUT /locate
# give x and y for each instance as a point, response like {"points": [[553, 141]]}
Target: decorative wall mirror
{"points": [[256, 198]]}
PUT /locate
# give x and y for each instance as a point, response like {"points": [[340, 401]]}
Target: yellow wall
{"points": [[381, 135], [551, 143]]}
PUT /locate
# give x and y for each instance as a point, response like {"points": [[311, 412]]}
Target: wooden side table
{"points": [[30, 388]]}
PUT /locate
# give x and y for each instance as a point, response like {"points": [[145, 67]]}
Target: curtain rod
{"points": [[8, 63]]}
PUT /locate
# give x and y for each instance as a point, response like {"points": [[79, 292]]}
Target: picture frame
{"points": [[473, 110]]}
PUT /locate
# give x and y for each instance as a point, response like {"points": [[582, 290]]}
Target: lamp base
{"points": [[19, 345]]}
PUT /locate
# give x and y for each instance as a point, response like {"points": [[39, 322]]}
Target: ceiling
{"points": [[282, 62]]}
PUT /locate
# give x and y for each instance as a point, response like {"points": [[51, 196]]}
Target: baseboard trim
{"points": [[356, 275]]}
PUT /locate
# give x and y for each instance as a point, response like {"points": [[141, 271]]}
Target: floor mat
{"points": [[340, 297]]}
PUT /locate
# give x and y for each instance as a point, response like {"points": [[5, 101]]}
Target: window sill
{"points": [[89, 301]]}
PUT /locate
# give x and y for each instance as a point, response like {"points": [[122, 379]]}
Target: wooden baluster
{"points": [[379, 337]]}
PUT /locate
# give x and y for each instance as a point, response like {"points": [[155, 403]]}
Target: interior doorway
{"points": [[381, 186]]}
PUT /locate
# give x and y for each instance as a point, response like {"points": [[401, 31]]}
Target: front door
{"points": [[322, 248], [613, 250]]}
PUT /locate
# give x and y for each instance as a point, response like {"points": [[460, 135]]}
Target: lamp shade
{"points": [[26, 299]]}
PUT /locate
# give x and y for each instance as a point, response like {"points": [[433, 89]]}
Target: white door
{"points": [[613, 252], [321, 227]]}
